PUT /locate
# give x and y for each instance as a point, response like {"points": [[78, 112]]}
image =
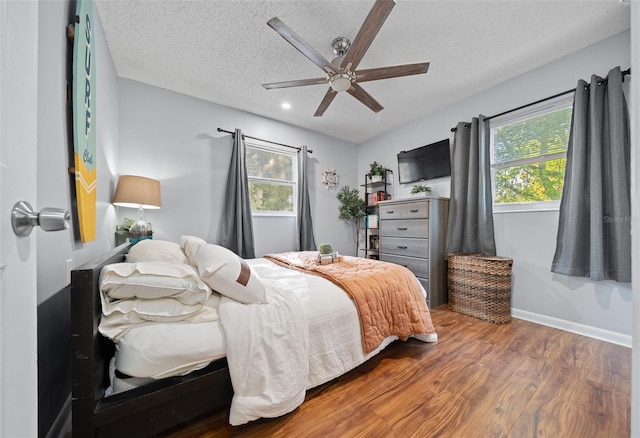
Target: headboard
{"points": [[142, 411]]}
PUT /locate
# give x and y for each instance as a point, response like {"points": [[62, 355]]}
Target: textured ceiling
{"points": [[222, 51]]}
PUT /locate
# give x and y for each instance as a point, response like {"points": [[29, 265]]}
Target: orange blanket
{"points": [[388, 297]]}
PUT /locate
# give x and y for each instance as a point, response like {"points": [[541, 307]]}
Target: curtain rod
{"points": [[267, 141], [624, 73]]}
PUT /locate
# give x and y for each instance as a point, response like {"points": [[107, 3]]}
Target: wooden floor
{"points": [[480, 380]]}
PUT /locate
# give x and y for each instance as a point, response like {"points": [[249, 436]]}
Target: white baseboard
{"points": [[574, 327]]}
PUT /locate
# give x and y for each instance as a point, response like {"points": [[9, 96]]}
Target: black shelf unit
{"points": [[374, 192]]}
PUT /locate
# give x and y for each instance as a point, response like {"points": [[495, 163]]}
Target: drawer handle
{"points": [[414, 211], [402, 247], [389, 211], [402, 228]]}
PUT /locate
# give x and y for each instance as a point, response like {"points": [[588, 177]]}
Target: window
{"points": [[528, 156], [272, 173]]}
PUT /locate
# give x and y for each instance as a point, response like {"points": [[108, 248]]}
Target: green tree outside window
{"points": [[529, 158], [271, 180]]}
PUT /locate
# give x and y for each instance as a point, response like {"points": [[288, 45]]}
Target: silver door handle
{"points": [[24, 218]]}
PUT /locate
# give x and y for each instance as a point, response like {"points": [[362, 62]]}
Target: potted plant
{"points": [[352, 208], [325, 249], [376, 172], [326, 254], [122, 230], [420, 190]]}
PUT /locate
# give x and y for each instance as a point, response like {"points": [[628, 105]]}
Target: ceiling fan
{"points": [[341, 73]]}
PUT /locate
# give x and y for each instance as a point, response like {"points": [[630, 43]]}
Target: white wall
{"points": [[173, 138], [53, 182], [54, 140], [602, 309]]}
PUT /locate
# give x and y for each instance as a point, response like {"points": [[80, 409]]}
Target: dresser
{"points": [[413, 234]]}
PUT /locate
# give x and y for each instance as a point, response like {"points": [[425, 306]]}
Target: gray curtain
{"points": [[237, 225], [594, 230], [305, 241], [470, 224]]}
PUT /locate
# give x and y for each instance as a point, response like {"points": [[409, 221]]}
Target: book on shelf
{"points": [[372, 221], [375, 197]]}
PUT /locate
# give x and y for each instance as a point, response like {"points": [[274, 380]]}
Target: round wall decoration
{"points": [[329, 178]]}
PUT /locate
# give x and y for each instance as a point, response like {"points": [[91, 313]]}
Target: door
{"points": [[18, 270]]}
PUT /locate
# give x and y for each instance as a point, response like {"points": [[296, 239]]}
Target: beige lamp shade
{"points": [[137, 191]]}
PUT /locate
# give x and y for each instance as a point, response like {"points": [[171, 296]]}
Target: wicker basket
{"points": [[480, 286]]}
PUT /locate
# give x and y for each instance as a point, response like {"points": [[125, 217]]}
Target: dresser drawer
{"points": [[393, 211], [408, 210], [415, 210], [405, 228], [419, 266], [405, 246]]}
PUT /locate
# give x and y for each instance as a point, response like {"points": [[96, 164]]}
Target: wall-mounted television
{"points": [[423, 163]]}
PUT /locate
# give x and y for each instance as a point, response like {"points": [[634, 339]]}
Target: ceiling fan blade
{"points": [[298, 83], [358, 92], [394, 71], [368, 32], [326, 101], [292, 38]]}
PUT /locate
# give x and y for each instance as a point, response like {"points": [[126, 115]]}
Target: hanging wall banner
{"points": [[84, 119]]}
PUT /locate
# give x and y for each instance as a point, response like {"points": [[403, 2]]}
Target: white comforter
{"points": [[307, 334]]}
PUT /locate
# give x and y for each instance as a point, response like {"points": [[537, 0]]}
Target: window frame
{"points": [[512, 117], [282, 150]]}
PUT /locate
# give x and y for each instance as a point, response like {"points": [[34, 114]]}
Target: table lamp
{"points": [[138, 192]]}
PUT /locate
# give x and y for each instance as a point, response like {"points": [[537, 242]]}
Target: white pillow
{"points": [[229, 275], [149, 250], [153, 280], [122, 315], [191, 245]]}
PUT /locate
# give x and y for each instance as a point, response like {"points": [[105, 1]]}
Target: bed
{"points": [[316, 350]]}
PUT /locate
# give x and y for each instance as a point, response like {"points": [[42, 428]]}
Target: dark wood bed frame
{"points": [[143, 411]]}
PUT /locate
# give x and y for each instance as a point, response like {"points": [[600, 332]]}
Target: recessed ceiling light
{"points": [[286, 105]]}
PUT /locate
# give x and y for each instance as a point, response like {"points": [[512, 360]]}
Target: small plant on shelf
{"points": [[376, 169], [420, 188]]}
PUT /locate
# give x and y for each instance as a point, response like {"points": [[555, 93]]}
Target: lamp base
{"points": [[134, 240], [140, 229]]}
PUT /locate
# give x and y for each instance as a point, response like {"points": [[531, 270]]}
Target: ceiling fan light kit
{"points": [[342, 73], [340, 82]]}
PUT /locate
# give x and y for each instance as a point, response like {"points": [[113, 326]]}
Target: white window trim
{"points": [[532, 111], [526, 207], [518, 116], [257, 144]]}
